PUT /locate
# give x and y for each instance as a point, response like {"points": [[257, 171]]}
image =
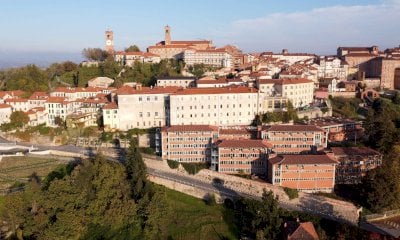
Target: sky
{"points": [[34, 30]]}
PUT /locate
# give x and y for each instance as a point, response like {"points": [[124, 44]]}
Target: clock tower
{"points": [[109, 41]]}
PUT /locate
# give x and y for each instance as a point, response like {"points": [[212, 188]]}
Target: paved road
{"points": [[216, 188]]}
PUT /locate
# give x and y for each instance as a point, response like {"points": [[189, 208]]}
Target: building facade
{"points": [[354, 163], [295, 139], [248, 156], [306, 173], [187, 143]]}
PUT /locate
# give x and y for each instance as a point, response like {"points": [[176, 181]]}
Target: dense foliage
{"points": [[345, 107], [282, 116]]}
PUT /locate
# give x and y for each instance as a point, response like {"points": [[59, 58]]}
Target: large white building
{"points": [[236, 105], [210, 57], [143, 107], [5, 113], [332, 67]]}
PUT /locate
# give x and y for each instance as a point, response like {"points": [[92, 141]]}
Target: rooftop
{"points": [[354, 151], [189, 128], [301, 159], [294, 128]]}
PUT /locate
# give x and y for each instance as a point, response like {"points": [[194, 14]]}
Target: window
{"points": [[148, 115], [156, 114], [140, 114], [140, 99]]}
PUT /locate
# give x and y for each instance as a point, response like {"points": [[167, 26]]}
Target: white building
{"points": [[143, 107], [129, 58], [57, 107], [111, 117], [5, 113], [298, 91], [101, 82], [210, 57], [332, 67], [216, 106], [176, 82]]}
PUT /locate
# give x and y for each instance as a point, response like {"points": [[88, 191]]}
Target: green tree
{"points": [[137, 173], [95, 54], [259, 219], [29, 78], [132, 48], [18, 119]]}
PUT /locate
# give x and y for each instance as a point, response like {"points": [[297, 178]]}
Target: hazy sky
{"points": [[317, 26]]}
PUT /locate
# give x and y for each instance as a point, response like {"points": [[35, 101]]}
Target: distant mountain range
{"points": [[41, 59]]}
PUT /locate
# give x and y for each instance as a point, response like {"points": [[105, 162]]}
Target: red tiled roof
{"points": [[232, 131], [268, 81], [39, 95], [294, 128], [2, 105], [301, 231], [192, 42], [301, 159], [359, 55], [243, 143], [16, 100], [295, 81], [179, 46], [15, 93], [189, 128], [112, 105], [127, 90], [354, 151], [222, 90], [56, 100]]}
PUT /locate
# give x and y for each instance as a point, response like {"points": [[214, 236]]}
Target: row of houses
{"points": [[292, 156]]}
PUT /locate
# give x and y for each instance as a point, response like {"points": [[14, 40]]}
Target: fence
{"points": [[384, 215]]}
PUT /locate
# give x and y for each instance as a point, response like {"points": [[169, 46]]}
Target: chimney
{"points": [[138, 86]]}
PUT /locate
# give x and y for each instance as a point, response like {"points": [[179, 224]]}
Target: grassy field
{"points": [[192, 218], [14, 168]]}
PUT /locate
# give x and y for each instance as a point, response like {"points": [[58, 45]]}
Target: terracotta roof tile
{"points": [[294, 128], [222, 90], [354, 151], [189, 128], [301, 159]]}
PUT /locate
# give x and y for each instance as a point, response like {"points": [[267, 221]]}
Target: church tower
{"points": [[109, 41], [167, 35]]}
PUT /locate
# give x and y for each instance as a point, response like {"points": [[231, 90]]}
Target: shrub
{"points": [[193, 168], [292, 193], [210, 199], [173, 164], [147, 150]]}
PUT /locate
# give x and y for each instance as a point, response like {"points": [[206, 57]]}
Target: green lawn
{"points": [[193, 219]]}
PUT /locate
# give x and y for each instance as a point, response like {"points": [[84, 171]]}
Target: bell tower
{"points": [[109, 41], [167, 35]]}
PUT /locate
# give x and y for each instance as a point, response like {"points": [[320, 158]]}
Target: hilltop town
{"points": [[302, 122]]}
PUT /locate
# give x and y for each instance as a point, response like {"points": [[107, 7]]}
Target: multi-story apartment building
{"points": [[307, 173], [332, 67], [354, 163], [295, 139], [110, 117], [57, 107], [248, 156], [144, 107], [339, 129], [18, 104], [209, 57], [236, 105], [72, 93], [187, 143], [37, 99], [299, 91]]}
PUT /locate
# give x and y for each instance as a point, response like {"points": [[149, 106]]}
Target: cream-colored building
{"points": [[209, 57], [101, 82], [129, 58], [5, 113], [298, 91], [176, 82], [332, 67], [110, 117], [143, 107], [216, 106]]}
